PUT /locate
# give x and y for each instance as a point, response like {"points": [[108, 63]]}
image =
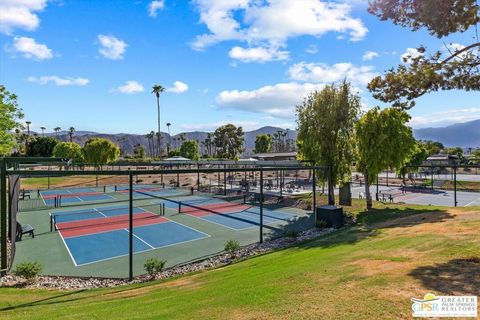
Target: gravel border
{"points": [[222, 259]]}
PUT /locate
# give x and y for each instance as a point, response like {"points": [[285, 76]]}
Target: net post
{"points": [[51, 223], [224, 180], [130, 226], [179, 207], [261, 205], [3, 217], [163, 208]]}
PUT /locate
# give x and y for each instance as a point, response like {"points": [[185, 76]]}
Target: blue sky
{"points": [[91, 64]]}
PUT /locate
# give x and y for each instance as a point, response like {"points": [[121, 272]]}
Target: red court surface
{"points": [[209, 209], [97, 225]]}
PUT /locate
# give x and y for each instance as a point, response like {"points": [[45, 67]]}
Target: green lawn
{"points": [[369, 271]]}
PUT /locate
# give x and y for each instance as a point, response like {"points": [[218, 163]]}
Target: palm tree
{"points": [[71, 130], [148, 136], [169, 137], [57, 130], [43, 130], [157, 89]]}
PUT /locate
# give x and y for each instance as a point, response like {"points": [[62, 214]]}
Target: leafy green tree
{"points": [[383, 141], [138, 151], [69, 150], [99, 151], [263, 143], [432, 147], [457, 151], [475, 157], [418, 155], [189, 149], [173, 153], [326, 122], [10, 113], [229, 141], [455, 67], [41, 147]]}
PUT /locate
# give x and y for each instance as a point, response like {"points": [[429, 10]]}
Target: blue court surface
{"points": [[145, 191], [239, 220], [96, 247], [92, 213], [73, 195]]}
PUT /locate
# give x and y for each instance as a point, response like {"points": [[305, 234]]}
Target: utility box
{"points": [[345, 194], [332, 215]]}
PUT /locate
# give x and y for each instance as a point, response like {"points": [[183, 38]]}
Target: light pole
{"points": [[28, 136]]}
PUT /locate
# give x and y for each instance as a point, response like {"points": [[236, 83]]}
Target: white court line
{"points": [[100, 212], [148, 244], [68, 249]]}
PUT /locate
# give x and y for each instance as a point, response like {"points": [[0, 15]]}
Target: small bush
{"points": [[232, 246], [321, 224], [291, 234], [28, 270], [154, 266]]}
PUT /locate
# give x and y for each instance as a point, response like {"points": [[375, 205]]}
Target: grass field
{"points": [[369, 271]]}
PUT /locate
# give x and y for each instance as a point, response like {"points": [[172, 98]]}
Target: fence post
{"points": [[314, 188], [3, 217], [455, 185], [130, 226], [224, 180], [331, 193], [261, 205]]}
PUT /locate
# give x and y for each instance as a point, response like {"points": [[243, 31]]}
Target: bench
{"points": [[24, 194], [25, 229]]}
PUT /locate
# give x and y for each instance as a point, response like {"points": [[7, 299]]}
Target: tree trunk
{"points": [[368, 196], [159, 135]]}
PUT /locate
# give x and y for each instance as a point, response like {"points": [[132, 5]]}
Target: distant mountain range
{"points": [[463, 135]]}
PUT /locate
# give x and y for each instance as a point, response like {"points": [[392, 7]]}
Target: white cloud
{"points": [[444, 118], [369, 55], [68, 81], [311, 49], [278, 100], [20, 14], [130, 87], [178, 87], [410, 53], [154, 6], [270, 24], [31, 49], [257, 54], [111, 47], [320, 72]]}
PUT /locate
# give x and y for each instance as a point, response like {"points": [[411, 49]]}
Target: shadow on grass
{"points": [[46, 301], [417, 216], [455, 277]]}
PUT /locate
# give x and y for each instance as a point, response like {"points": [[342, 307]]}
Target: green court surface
{"points": [[103, 250]]}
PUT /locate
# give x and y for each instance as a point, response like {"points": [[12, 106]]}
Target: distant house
{"points": [[275, 156], [442, 159]]}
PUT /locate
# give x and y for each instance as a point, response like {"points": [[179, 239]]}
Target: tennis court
{"points": [[233, 215], [97, 234], [73, 195]]}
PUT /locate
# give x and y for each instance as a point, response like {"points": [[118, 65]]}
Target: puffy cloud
{"points": [[269, 24], [31, 49], [178, 87], [130, 87], [311, 49], [155, 6], [257, 54], [369, 55], [68, 81], [278, 100], [320, 72], [20, 14], [111, 47], [410, 53]]}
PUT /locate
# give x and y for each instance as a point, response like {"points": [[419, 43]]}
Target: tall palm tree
{"points": [[169, 137], [71, 130], [57, 131], [157, 89], [43, 130], [149, 144]]}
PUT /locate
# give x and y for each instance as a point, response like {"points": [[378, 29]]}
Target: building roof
{"points": [[275, 154]]}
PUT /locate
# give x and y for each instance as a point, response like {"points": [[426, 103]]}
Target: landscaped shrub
{"points": [[321, 224], [291, 234], [154, 266], [28, 270], [232, 246]]}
